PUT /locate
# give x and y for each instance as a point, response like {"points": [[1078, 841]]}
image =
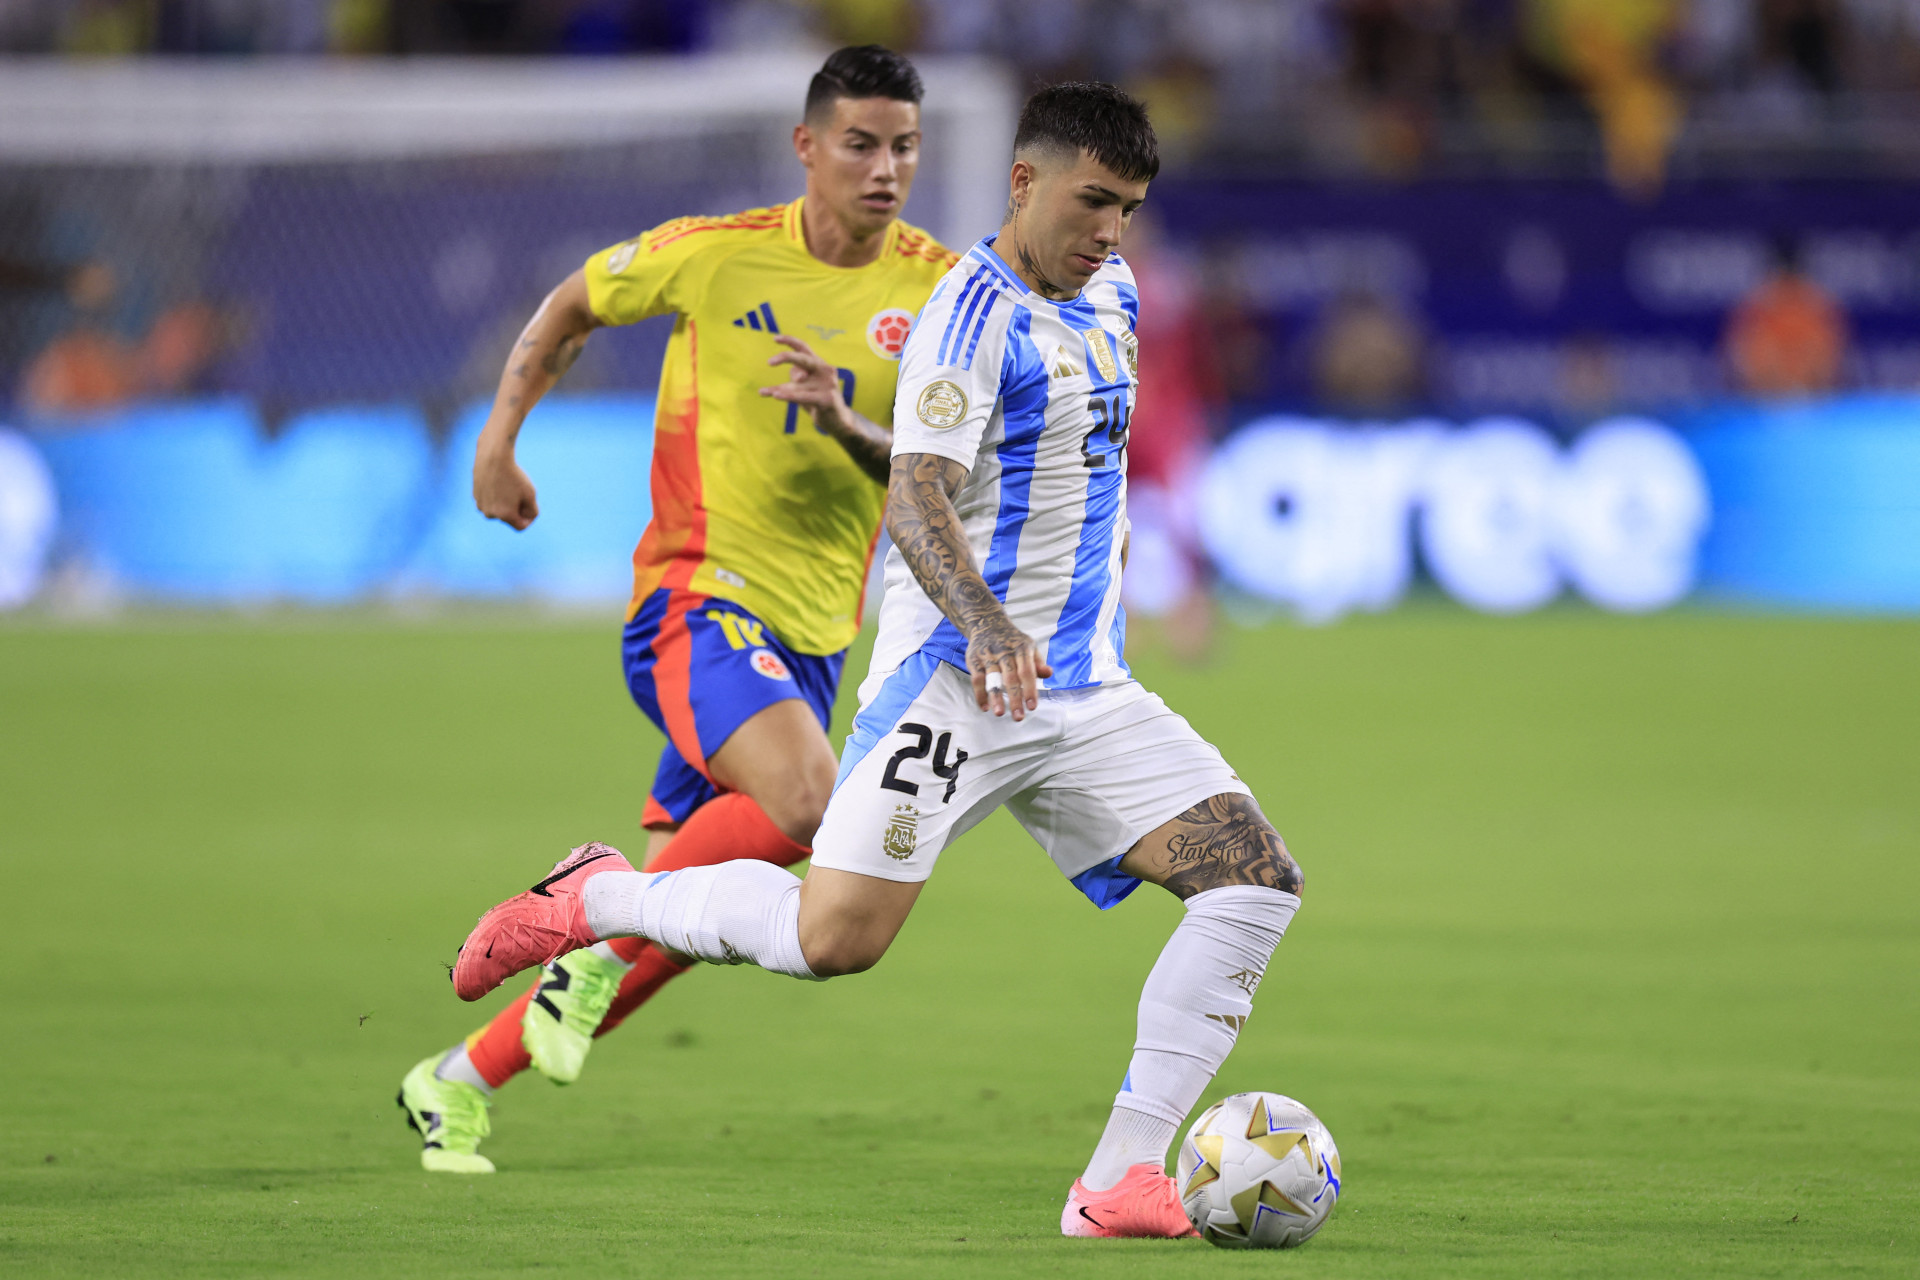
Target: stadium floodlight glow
{"points": [[29, 512], [270, 111]]}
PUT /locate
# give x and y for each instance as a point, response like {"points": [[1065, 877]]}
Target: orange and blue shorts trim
{"points": [[699, 667]]}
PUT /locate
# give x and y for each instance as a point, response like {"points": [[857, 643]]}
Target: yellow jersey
{"points": [[751, 502]]}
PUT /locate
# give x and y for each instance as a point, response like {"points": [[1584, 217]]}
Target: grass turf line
{"points": [[1606, 968]]}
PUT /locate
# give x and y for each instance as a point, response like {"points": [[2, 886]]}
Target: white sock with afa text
{"points": [[1191, 1010]]}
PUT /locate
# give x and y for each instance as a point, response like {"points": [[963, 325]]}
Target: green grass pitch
{"points": [[1609, 966]]}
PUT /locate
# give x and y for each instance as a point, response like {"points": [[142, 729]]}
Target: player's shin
{"points": [[741, 912], [1191, 1010]]}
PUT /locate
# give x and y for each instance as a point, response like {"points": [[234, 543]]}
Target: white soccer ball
{"points": [[1258, 1171]]}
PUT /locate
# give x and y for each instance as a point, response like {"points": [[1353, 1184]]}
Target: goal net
{"points": [[374, 232]]}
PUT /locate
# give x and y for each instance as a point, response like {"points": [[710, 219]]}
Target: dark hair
{"points": [[863, 71], [1096, 118]]}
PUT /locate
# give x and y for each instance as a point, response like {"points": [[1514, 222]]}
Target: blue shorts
{"points": [[700, 667]]}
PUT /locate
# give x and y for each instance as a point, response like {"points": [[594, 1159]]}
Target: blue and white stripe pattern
{"points": [[1034, 398], [967, 320]]}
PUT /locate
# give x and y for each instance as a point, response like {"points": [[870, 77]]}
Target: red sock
{"points": [[495, 1049], [651, 971], [727, 827]]}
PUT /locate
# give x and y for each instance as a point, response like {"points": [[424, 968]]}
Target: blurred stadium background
{"points": [[1452, 307], [1523, 296]]}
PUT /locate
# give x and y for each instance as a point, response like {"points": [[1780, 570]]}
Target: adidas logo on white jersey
{"points": [[1061, 365]]}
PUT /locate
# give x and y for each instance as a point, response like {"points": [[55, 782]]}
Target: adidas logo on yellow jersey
{"points": [[760, 319]]}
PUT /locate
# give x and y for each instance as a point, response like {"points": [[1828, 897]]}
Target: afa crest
{"points": [[902, 836], [1100, 348]]}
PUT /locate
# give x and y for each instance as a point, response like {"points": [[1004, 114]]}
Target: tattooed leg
{"points": [[1221, 841], [1241, 888]]}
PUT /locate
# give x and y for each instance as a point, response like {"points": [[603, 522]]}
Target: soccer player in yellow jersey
{"points": [[749, 581]]}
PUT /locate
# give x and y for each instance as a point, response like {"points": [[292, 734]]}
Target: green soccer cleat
{"points": [[450, 1118], [557, 1028]]}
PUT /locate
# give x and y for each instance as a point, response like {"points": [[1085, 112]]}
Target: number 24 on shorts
{"points": [[945, 769]]}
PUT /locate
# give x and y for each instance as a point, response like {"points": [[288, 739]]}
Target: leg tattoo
{"points": [[1225, 840]]}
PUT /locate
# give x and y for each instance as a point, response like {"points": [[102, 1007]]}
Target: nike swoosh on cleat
{"points": [[1090, 1218], [541, 888], [489, 954]]}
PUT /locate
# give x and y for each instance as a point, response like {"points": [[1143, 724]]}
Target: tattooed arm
{"points": [[815, 385], [1221, 841], [923, 524], [546, 348]]}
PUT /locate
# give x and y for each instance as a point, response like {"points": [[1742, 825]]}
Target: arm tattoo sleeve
{"points": [[1226, 841], [923, 524]]}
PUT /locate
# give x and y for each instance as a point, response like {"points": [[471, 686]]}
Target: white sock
{"points": [[740, 912], [457, 1066], [606, 952], [1191, 1010], [1131, 1138]]}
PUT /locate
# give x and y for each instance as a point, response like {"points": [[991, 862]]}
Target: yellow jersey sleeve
{"points": [[652, 274]]}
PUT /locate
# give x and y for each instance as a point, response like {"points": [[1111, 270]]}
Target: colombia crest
{"points": [[768, 664], [887, 332]]}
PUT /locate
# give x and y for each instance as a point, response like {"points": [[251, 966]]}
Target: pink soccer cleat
{"points": [[531, 928], [1142, 1204]]}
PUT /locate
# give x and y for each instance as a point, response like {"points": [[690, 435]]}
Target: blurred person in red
{"points": [[88, 367], [1787, 337], [182, 346], [1179, 395]]}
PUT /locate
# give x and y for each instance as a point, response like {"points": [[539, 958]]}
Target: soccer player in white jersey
{"points": [[999, 678]]}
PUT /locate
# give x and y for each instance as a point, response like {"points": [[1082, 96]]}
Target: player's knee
{"points": [[1227, 841], [797, 799], [1271, 868], [1285, 872], [838, 956]]}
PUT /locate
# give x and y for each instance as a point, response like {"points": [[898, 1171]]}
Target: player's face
{"points": [[1068, 217], [862, 159]]}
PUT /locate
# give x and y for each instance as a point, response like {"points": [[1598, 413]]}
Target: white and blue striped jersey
{"points": [[1034, 398]]}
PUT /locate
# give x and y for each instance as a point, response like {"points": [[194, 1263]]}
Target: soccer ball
{"points": [[1258, 1171]]}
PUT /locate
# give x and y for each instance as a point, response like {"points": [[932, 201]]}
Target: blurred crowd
{"points": [[1280, 88], [1390, 86]]}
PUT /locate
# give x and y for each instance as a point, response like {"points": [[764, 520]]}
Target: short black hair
{"points": [[1097, 118], [863, 71]]}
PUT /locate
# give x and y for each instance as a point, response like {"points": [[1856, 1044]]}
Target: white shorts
{"points": [[1087, 774]]}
